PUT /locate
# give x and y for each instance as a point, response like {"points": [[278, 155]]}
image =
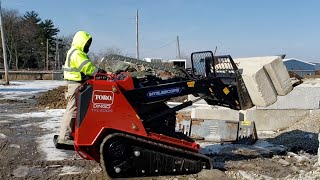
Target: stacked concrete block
{"points": [[265, 78], [305, 96], [279, 75], [220, 113], [274, 119], [275, 69], [259, 86]]}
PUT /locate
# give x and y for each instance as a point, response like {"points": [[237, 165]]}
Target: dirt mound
{"points": [[53, 99]]}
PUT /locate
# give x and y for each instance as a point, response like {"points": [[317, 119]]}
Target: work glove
{"points": [[119, 71], [101, 71]]}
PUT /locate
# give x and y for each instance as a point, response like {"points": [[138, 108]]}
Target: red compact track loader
{"points": [[124, 122]]}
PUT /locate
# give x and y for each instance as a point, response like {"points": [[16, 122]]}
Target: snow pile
{"points": [[51, 125], [20, 90], [46, 145]]}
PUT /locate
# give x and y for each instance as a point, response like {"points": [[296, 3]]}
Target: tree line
{"points": [[32, 43]]}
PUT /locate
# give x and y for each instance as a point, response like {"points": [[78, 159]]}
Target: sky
{"points": [[240, 28]]}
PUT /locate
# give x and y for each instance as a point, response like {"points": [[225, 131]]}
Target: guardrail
{"points": [[31, 72]]}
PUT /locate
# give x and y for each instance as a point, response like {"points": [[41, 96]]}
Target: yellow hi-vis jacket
{"points": [[77, 61]]}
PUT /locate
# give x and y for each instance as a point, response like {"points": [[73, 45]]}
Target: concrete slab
{"points": [[305, 96], [192, 97], [215, 113], [259, 148], [275, 69], [273, 120], [259, 86]]}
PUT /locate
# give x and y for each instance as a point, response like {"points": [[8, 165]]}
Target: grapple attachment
{"points": [[205, 65]]}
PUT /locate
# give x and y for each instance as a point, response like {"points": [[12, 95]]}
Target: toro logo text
{"points": [[102, 99]]}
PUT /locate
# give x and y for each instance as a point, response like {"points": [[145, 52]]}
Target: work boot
{"points": [[69, 138]]}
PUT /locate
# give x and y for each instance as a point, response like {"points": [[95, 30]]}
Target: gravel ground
{"points": [[20, 159], [303, 135]]}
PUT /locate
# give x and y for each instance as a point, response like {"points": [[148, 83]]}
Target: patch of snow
{"points": [[52, 125], [5, 122], [48, 113], [2, 136], [30, 124], [26, 89], [51, 153], [71, 170]]}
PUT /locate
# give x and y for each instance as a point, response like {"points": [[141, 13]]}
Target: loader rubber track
{"points": [[124, 156]]}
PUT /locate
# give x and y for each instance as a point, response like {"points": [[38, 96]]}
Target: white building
{"points": [[153, 60]]}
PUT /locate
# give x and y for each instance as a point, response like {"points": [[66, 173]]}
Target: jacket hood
{"points": [[80, 39]]}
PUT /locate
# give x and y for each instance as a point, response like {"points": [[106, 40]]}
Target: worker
{"points": [[77, 69]]}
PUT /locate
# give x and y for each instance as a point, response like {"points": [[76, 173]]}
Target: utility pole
{"points": [[215, 50], [56, 54], [178, 48], [47, 54], [5, 64], [58, 58], [137, 36]]}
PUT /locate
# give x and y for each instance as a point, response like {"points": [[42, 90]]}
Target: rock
{"points": [[211, 174], [291, 154], [295, 169], [14, 146], [283, 162], [246, 175], [2, 136], [21, 171]]}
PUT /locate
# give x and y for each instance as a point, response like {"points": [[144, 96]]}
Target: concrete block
{"points": [[259, 86], [319, 150], [192, 97], [305, 96], [214, 130], [215, 113], [274, 67], [272, 120]]}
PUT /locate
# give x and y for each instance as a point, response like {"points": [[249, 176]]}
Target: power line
{"points": [[163, 46]]}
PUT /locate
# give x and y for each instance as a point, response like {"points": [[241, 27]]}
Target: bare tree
{"points": [[64, 46], [108, 51], [97, 57], [12, 22], [103, 63]]}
